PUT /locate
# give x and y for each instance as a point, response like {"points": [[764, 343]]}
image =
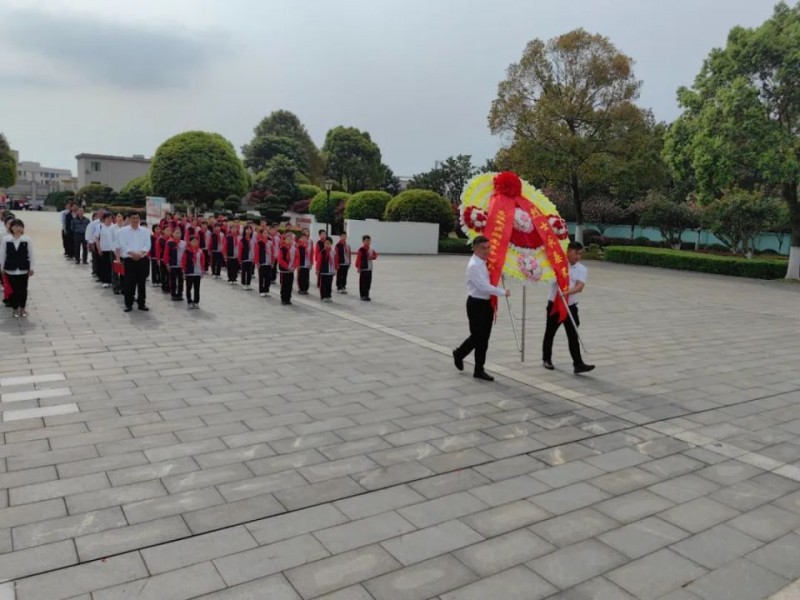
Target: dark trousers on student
{"points": [[247, 272], [117, 283], [233, 269], [164, 274], [155, 271], [95, 260], [325, 285], [106, 267], [264, 278], [341, 277], [19, 290], [66, 241], [135, 281], [216, 263], [303, 278], [287, 281], [207, 255], [572, 335], [481, 318], [364, 283], [274, 271], [80, 247], [176, 282], [193, 289]]}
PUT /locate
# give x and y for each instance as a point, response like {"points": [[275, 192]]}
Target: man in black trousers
{"points": [[479, 309], [134, 246]]}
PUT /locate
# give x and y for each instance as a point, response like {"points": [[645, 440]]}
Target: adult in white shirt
{"points": [[16, 262], [479, 309], [91, 234], [104, 238], [577, 282], [134, 246]]}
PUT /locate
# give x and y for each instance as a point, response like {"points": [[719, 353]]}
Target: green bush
{"points": [[695, 261], [421, 206], [307, 191], [448, 245], [367, 205], [319, 207]]}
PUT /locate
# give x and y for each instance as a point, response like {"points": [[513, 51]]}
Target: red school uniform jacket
{"points": [[264, 253], [305, 256], [217, 242], [193, 263], [173, 253], [364, 258], [326, 261], [230, 246], [276, 245], [344, 254], [246, 249], [161, 247], [288, 258]]}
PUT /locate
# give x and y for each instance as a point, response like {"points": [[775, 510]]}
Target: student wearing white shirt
{"points": [[577, 282], [479, 309], [134, 246], [16, 259], [91, 233], [104, 238]]}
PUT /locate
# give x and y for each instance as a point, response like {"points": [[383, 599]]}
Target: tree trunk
{"points": [[697, 241], [576, 200], [790, 195]]}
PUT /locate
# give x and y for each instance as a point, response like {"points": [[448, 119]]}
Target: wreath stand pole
{"points": [[571, 318], [524, 304], [511, 315]]}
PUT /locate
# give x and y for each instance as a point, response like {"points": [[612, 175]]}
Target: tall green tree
{"points": [[568, 102], [391, 183], [278, 179], [197, 165], [8, 166], [353, 159], [448, 178], [741, 121], [285, 125]]}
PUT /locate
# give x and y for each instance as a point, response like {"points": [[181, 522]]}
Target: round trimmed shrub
{"points": [[319, 207], [367, 205], [307, 191], [421, 206]]}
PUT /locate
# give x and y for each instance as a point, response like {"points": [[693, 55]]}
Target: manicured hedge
{"points": [[370, 204], [693, 261], [421, 206], [450, 245]]}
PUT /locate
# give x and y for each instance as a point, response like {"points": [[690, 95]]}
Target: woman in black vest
{"points": [[16, 258]]}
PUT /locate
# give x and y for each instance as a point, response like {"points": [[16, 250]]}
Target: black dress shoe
{"points": [[144, 308], [583, 369], [483, 375], [548, 365], [458, 360], [128, 308]]}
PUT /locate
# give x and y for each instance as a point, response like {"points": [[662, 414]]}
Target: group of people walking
{"points": [[181, 251]]}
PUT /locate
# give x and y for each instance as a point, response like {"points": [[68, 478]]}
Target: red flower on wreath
{"points": [[475, 218], [559, 226], [530, 240]]}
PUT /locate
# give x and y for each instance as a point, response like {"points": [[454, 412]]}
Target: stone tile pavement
{"points": [[249, 450]]}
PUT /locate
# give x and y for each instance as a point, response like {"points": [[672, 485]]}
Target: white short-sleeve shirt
{"points": [[577, 272]]}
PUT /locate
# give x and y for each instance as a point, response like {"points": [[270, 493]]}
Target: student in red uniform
{"points": [[173, 257], [364, 258], [318, 246], [193, 265], [166, 236], [155, 263], [247, 252], [343, 258], [277, 242], [231, 251], [204, 239], [326, 266], [288, 262], [305, 261], [263, 258], [216, 247]]}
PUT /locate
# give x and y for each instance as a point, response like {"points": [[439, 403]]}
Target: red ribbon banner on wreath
{"points": [[558, 260]]}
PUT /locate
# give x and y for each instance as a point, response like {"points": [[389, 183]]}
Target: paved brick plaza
{"points": [[250, 450]]}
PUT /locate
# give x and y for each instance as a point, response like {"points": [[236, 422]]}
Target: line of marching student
{"points": [[183, 251]]}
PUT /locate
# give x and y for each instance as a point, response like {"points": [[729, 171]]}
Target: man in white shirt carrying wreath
{"points": [[479, 309]]}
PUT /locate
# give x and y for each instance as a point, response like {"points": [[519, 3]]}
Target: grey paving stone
{"points": [[232, 513], [264, 484], [643, 537], [71, 582], [574, 564], [363, 532], [143, 443], [560, 455], [270, 559], [30, 561], [393, 475], [342, 570], [156, 508], [420, 581], [54, 530], [633, 506], [512, 447], [781, 556], [273, 529], [133, 537], [504, 518], [790, 502], [105, 463], [518, 583], [569, 498], [432, 541], [684, 488], [276, 464], [354, 592], [175, 585], [304, 442], [594, 589], [15, 516], [346, 449], [274, 587], [656, 574], [94, 500], [442, 509], [729, 472], [766, 523], [752, 493], [503, 552], [716, 546], [739, 580], [89, 438], [200, 479], [615, 460], [317, 493], [451, 461], [699, 514], [515, 488], [236, 455], [510, 467], [567, 474], [337, 468], [673, 466], [449, 483], [151, 471], [574, 527], [27, 477], [624, 480], [37, 492], [373, 503], [197, 549]]}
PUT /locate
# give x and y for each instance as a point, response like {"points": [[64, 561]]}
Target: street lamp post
{"points": [[328, 186]]}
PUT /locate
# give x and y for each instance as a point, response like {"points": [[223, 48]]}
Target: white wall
{"points": [[395, 238]]}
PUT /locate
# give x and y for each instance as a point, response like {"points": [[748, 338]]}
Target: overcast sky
{"points": [[115, 77]]}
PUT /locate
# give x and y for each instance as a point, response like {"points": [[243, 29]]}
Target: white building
{"points": [[113, 171], [35, 182]]}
